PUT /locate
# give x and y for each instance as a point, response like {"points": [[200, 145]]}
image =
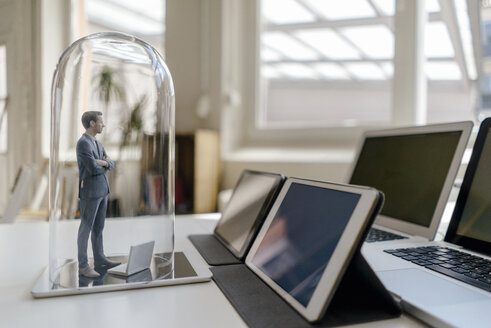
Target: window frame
{"points": [[242, 91], [4, 103]]}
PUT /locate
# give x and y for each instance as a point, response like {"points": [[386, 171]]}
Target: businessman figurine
{"points": [[93, 163]]}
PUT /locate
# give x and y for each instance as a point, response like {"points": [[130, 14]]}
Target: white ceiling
{"points": [[325, 39], [354, 40]]}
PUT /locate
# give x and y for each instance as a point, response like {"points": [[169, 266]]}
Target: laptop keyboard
{"points": [[465, 267], [375, 235]]}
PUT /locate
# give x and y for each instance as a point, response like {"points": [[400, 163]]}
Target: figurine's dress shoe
{"points": [[106, 263], [88, 272]]}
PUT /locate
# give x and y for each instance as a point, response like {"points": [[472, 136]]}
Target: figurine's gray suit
{"points": [[93, 188]]}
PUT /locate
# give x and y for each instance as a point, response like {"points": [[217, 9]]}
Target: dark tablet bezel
{"points": [[452, 236], [254, 229]]}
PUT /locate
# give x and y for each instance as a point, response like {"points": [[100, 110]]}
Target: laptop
{"points": [[241, 220], [415, 168], [448, 283], [140, 259]]}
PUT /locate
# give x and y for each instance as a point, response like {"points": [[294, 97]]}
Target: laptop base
{"points": [[187, 269], [212, 250], [360, 297]]}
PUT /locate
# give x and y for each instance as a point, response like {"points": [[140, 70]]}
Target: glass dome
{"points": [[112, 144]]}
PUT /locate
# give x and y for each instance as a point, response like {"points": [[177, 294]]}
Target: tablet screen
{"points": [[410, 170], [475, 220], [251, 195], [302, 237]]}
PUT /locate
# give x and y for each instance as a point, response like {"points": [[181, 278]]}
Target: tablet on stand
{"points": [[305, 265], [241, 220]]}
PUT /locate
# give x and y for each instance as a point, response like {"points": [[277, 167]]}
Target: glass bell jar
{"points": [[111, 182]]}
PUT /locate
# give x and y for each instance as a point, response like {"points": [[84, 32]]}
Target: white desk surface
{"points": [[24, 255]]}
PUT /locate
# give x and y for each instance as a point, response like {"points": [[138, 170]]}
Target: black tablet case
{"points": [[212, 250], [359, 297]]}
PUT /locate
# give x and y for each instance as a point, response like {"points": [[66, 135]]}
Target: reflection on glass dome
{"points": [[112, 156]]}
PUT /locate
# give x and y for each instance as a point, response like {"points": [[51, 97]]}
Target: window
{"points": [[144, 19], [3, 99], [330, 63], [486, 60]]}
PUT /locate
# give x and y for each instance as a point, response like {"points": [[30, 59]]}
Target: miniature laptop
{"points": [[302, 253], [449, 283], [140, 259], [415, 168], [235, 231]]}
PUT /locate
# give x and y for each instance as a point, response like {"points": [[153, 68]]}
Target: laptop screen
{"points": [[246, 209], [409, 169], [471, 221], [302, 237]]}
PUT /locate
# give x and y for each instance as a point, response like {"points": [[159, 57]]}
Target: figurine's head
{"points": [[93, 122]]}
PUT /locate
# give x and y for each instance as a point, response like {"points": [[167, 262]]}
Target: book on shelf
{"points": [[153, 188]]}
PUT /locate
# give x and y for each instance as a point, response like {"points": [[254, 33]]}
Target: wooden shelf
{"points": [[198, 170]]}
